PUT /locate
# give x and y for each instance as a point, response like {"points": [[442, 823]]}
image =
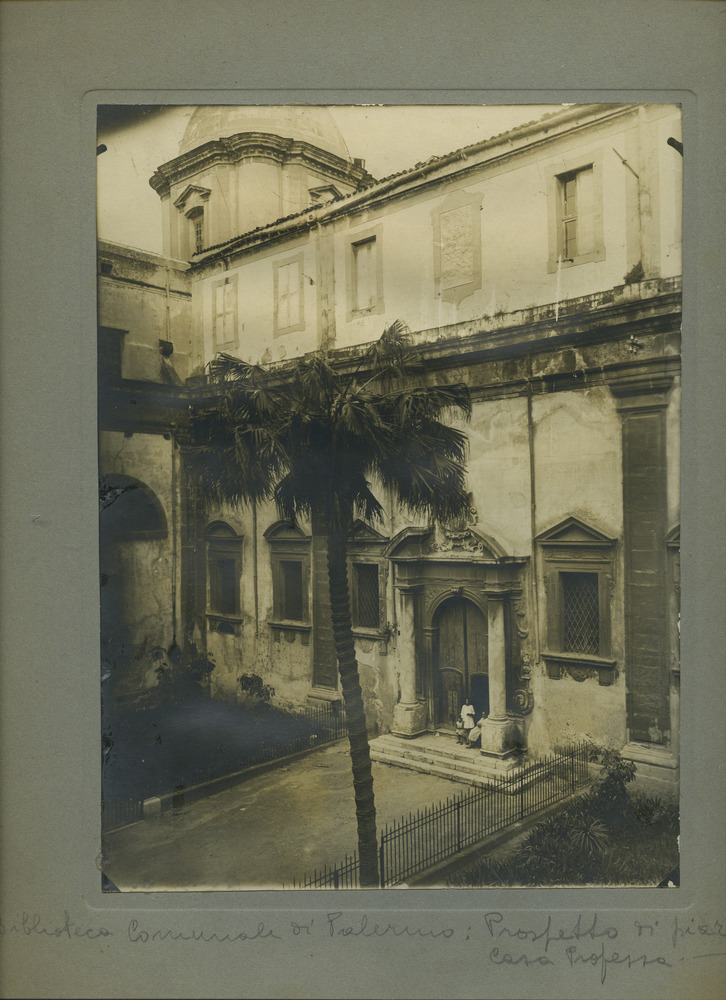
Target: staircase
{"points": [[438, 754]]}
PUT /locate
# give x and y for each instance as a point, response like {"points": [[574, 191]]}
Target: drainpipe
{"points": [[168, 304], [254, 572], [533, 513], [174, 553]]}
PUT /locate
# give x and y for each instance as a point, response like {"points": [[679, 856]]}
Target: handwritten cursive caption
{"points": [[602, 945]]}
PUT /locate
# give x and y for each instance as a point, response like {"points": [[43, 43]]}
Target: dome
{"points": [[314, 125]]}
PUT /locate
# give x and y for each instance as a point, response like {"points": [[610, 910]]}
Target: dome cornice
{"points": [[259, 146]]}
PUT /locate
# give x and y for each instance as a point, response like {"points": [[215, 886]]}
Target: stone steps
{"points": [[445, 758]]}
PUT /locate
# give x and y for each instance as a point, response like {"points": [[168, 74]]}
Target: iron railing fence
{"points": [[121, 812], [323, 725], [432, 835]]}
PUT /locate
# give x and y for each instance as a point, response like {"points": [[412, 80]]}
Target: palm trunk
{"points": [[360, 751]]}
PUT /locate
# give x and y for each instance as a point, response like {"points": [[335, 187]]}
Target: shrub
{"points": [[588, 834], [635, 274], [609, 794], [254, 691]]}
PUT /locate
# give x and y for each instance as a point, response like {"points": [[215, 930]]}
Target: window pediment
{"points": [[363, 534], [285, 531], [326, 192], [193, 196], [572, 532]]}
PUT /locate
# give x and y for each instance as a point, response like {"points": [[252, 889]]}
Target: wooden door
{"points": [[462, 659]]}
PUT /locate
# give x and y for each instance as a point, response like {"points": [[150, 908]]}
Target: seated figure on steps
{"points": [[474, 735]]}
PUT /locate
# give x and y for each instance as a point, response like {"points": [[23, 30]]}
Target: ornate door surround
{"points": [[433, 565]]}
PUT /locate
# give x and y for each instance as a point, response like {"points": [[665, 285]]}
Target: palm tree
{"points": [[310, 434]]}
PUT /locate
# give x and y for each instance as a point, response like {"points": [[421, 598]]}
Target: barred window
{"points": [[581, 613], [292, 590], [366, 612]]}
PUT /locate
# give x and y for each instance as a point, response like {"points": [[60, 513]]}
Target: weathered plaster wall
{"points": [[640, 219], [567, 711], [140, 571], [673, 452], [149, 297], [255, 328], [577, 459], [499, 476]]}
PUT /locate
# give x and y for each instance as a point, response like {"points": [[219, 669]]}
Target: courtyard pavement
{"points": [[267, 830]]}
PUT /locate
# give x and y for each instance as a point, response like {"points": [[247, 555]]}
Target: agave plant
{"points": [[588, 834]]}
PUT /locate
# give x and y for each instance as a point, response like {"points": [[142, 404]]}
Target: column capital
{"points": [[497, 591], [409, 589]]}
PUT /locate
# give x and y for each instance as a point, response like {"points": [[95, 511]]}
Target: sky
{"points": [[140, 138]]}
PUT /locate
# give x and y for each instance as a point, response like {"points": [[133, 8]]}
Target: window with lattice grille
{"points": [[578, 576], [581, 613], [366, 612]]}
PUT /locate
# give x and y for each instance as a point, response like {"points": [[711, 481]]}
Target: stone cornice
{"points": [[593, 316], [518, 358], [234, 149]]}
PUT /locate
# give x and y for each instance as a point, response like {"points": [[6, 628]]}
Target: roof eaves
{"points": [[316, 213]]}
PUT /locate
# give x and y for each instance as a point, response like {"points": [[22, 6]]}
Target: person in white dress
{"points": [[467, 717]]}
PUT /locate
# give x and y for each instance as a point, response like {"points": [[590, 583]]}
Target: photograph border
{"points": [[49, 868]]}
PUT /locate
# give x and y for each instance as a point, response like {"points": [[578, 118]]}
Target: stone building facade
{"points": [[543, 268]]}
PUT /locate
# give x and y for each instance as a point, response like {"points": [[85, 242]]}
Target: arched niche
{"points": [[129, 509]]}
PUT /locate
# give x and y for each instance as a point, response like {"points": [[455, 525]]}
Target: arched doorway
{"points": [[461, 660], [136, 582]]}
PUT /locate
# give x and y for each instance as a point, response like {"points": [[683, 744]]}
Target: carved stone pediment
{"points": [[191, 196], [576, 534], [285, 531], [363, 534], [464, 539]]}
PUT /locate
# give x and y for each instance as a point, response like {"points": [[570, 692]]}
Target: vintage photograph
{"points": [[389, 445]]}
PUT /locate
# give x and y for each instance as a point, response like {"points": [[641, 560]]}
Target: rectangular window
{"points": [[575, 211], [289, 302], [223, 585], [577, 236], [581, 613], [225, 313], [366, 611], [292, 590], [364, 270], [198, 223]]}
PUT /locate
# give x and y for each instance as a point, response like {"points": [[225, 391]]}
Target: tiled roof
{"points": [[462, 152]]}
